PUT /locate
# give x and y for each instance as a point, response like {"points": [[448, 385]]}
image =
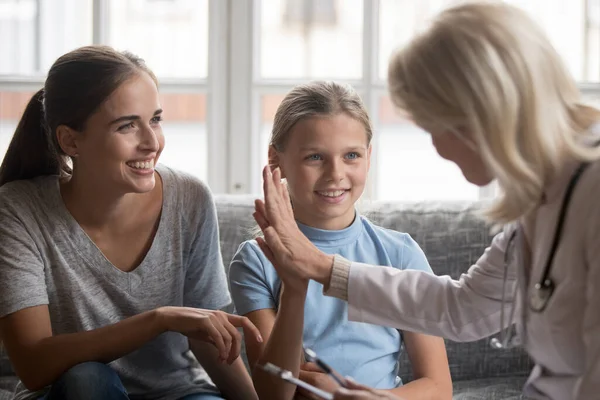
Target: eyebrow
{"points": [[353, 148], [133, 117]]}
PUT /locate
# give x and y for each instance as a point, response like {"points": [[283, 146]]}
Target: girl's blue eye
{"points": [[353, 155], [313, 157]]}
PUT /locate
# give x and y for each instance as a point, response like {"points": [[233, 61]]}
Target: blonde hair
{"points": [[317, 99], [488, 69]]}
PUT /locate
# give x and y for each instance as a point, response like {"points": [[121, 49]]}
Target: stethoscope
{"points": [[544, 288]]}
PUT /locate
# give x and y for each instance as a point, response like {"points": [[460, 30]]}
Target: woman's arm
{"points": [[431, 372], [283, 344], [462, 310], [39, 358]]}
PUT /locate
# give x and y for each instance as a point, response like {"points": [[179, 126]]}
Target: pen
{"points": [[311, 356]]}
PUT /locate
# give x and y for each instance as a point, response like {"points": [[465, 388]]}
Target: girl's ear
{"points": [[274, 160]]}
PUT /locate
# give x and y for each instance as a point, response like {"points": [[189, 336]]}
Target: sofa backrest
{"points": [[452, 236]]}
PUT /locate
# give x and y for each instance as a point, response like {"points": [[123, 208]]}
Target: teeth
{"points": [[334, 193], [141, 164]]}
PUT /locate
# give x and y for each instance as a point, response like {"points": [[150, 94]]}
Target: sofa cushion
{"points": [[490, 389]]}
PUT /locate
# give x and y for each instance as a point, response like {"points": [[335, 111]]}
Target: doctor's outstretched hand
{"points": [[355, 391], [295, 258]]}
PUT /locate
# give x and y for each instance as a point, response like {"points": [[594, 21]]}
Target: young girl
{"points": [[110, 270], [321, 142]]}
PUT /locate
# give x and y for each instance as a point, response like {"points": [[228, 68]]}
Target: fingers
{"points": [[236, 338], [247, 325], [216, 337], [352, 384], [266, 250], [308, 377], [273, 244], [287, 201], [259, 207], [311, 367], [306, 395], [345, 394], [260, 220], [270, 192], [225, 337]]}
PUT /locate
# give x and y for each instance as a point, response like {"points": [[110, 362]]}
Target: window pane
{"points": [[12, 105], [172, 36], [311, 39], [574, 31], [184, 128], [409, 167], [31, 38]]}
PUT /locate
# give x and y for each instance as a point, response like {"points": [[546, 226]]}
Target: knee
{"points": [[89, 380]]}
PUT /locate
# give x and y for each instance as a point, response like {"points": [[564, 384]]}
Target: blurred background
{"points": [[224, 66]]}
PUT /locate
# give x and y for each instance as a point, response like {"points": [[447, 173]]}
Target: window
{"points": [[225, 65], [172, 37], [30, 37]]}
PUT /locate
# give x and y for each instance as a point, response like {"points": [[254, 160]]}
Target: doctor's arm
{"points": [[466, 309]]}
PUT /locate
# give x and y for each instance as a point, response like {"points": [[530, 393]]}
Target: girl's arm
{"points": [[431, 372], [233, 380], [282, 333]]}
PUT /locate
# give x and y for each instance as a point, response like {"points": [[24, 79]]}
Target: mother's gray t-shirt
{"points": [[47, 258]]}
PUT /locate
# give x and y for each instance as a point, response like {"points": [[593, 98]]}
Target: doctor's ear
{"points": [[274, 161]]}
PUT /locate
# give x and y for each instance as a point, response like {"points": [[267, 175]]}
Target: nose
{"points": [[149, 139], [335, 170]]}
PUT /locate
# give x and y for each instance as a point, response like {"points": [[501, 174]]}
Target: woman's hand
{"points": [[211, 326], [355, 391], [312, 374], [294, 256]]}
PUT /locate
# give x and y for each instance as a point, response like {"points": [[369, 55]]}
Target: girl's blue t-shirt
{"points": [[369, 353]]}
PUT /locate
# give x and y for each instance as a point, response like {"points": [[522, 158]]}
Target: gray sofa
{"points": [[452, 237]]}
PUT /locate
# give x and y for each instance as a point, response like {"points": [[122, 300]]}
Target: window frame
{"points": [[234, 88]]}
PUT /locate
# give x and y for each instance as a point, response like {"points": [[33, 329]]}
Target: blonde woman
{"points": [[498, 101]]}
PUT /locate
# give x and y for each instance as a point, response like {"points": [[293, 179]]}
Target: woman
{"points": [[110, 268], [498, 101]]}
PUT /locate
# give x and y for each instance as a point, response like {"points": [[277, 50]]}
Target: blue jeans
{"points": [[89, 380], [97, 381]]}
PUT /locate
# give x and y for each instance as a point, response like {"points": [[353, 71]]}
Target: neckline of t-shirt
{"points": [[90, 252], [331, 238]]}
